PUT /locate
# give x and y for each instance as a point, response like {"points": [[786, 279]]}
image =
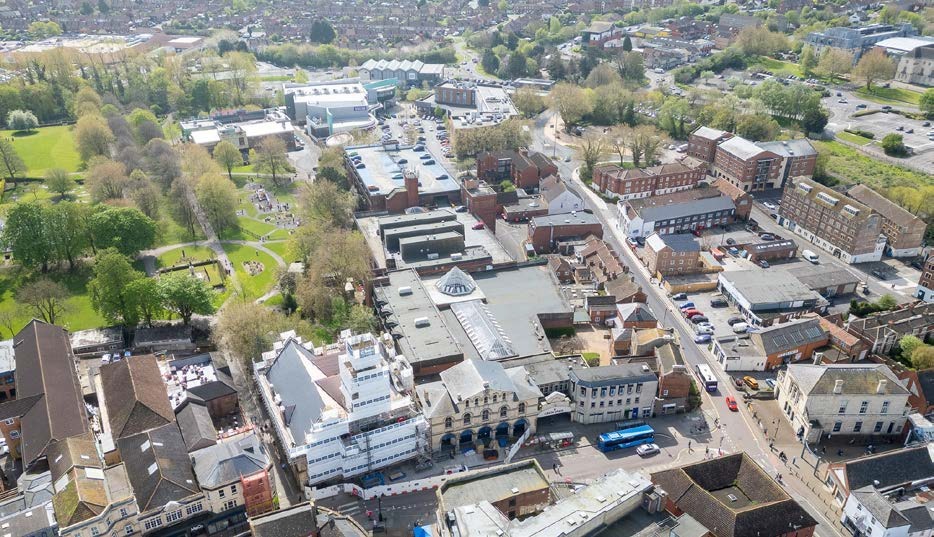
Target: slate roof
{"points": [[799, 147], [858, 379], [194, 422], [676, 209], [791, 335], [158, 467], [669, 355], [295, 521], [216, 389], [741, 148], [765, 510], [226, 462], [678, 242], [890, 468], [135, 396], [634, 312], [466, 380], [295, 385], [926, 380], [879, 507], [85, 494], [45, 374], [823, 275], [882, 205], [709, 133]]}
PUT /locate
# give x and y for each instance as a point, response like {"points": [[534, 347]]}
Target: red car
{"points": [[691, 313], [731, 403], [478, 225]]}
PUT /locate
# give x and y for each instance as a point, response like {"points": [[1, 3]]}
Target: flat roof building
{"points": [[327, 108], [395, 177], [757, 296]]}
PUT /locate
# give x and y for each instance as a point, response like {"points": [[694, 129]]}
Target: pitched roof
{"points": [[226, 462], [135, 396], [791, 335], [295, 385], [882, 205], [741, 148], [889, 469], [926, 380], [215, 389], [729, 189], [45, 368], [608, 375], [667, 207], [879, 507], [296, 521], [706, 491], [194, 422], [709, 133], [678, 242], [858, 379], [799, 147], [634, 312], [158, 467]]}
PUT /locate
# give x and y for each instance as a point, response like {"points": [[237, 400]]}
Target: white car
{"points": [[647, 449], [704, 329], [769, 205]]}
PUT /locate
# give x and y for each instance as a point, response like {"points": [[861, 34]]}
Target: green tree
{"points": [[674, 116], [808, 60], [894, 145], [926, 104], [923, 357], [361, 319], [217, 196], [321, 32], [270, 158], [528, 102], [39, 30], [591, 150], [26, 234], [124, 228], [144, 296], [873, 66], [627, 43], [47, 298], [67, 230], [571, 102], [489, 62], [59, 181], [908, 344], [757, 127], [93, 137], [109, 288], [815, 119], [228, 156], [247, 330], [185, 295], [10, 161], [323, 203], [106, 179], [22, 120], [833, 62]]}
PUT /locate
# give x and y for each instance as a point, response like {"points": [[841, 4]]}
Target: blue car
{"points": [[702, 338], [686, 305]]}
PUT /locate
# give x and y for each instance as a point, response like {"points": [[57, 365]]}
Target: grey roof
{"points": [[493, 486], [823, 275], [686, 208], [578, 218], [37, 520], [709, 133], [547, 371], [634, 312], [773, 245], [456, 283], [227, 462], [295, 521], [786, 336], [919, 515], [158, 467], [294, 384], [678, 242], [741, 147], [891, 468], [611, 375], [467, 378], [780, 286], [882, 205], [858, 379], [799, 147], [484, 332], [196, 426], [879, 507], [525, 386]]}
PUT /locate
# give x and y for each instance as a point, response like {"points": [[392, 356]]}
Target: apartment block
{"points": [[746, 165], [844, 227], [670, 255], [904, 232], [703, 142], [634, 183], [926, 284]]}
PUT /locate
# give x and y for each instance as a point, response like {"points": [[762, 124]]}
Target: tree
{"points": [[321, 32], [361, 319], [591, 150], [627, 43], [674, 116], [923, 357], [106, 179], [247, 330], [833, 62], [894, 145], [217, 196], [706, 75], [67, 230], [908, 344], [808, 60], [571, 102], [528, 102], [40, 30], [180, 207], [602, 75], [270, 158], [228, 156], [93, 137], [185, 295], [162, 163], [489, 62], [144, 296], [815, 119], [874, 66], [46, 297], [124, 228], [26, 234], [109, 288], [324, 204], [10, 161], [87, 102], [631, 66], [760, 41], [145, 195], [59, 181], [757, 127], [644, 144], [22, 120], [926, 104]]}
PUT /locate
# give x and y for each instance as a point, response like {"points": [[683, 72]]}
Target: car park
{"points": [[751, 382], [647, 449], [690, 312], [731, 403]]}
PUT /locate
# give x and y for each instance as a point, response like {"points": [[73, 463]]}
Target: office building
{"points": [[678, 212], [904, 232], [857, 41]]}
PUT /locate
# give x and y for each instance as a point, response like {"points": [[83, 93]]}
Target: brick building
{"points": [[670, 255], [635, 183], [703, 142], [603, 262], [516, 490], [925, 289], [904, 232], [742, 200], [674, 380], [524, 168], [842, 226], [546, 231], [746, 165]]}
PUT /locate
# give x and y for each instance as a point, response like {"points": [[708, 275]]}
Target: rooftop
{"points": [[889, 469], [799, 147], [710, 134], [854, 379], [135, 396], [611, 375], [578, 218], [158, 467], [883, 206], [680, 204], [779, 287], [227, 462], [384, 166], [740, 147], [505, 482], [679, 242], [783, 337], [823, 275]]}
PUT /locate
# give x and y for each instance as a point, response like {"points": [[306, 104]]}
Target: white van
{"points": [[740, 328], [810, 256]]}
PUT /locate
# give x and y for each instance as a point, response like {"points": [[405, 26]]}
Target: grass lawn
{"points": [[243, 169], [192, 253], [249, 230], [890, 95], [46, 147], [779, 67], [853, 138], [850, 166], [79, 315], [170, 232], [252, 286], [280, 248], [279, 235]]}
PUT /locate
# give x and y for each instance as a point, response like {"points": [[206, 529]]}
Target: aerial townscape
{"points": [[467, 268]]}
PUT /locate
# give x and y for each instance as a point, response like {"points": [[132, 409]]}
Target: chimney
{"points": [[838, 386], [411, 188], [882, 385]]}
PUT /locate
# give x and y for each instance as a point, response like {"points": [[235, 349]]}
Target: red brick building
{"points": [[674, 380], [524, 168], [546, 231], [703, 142], [746, 165], [741, 199], [641, 183]]}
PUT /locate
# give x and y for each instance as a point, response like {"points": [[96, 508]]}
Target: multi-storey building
{"points": [[405, 72], [926, 284], [627, 184], [844, 227], [699, 208], [234, 475], [602, 34], [798, 158], [904, 232], [844, 399], [613, 393], [339, 414], [526, 169], [746, 165], [856, 41], [546, 231], [703, 142], [668, 255]]}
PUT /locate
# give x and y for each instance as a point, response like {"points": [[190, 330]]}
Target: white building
{"points": [[343, 411], [326, 108], [845, 399], [613, 393]]}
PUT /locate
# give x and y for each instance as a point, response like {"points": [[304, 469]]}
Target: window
{"points": [[837, 425], [95, 532], [601, 404], [466, 422], [494, 397], [152, 523], [194, 508], [9, 421], [521, 408], [448, 423], [858, 427], [233, 489], [467, 403], [128, 529], [602, 392], [123, 513], [486, 415], [593, 404], [583, 391], [222, 494], [228, 505], [885, 407], [842, 408], [863, 407], [878, 427], [14, 434], [503, 411], [174, 515]]}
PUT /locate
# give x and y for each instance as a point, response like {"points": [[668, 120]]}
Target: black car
{"points": [[718, 303], [697, 319], [767, 237], [679, 296], [731, 241], [733, 320]]}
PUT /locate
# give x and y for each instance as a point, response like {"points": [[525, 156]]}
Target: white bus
{"points": [[705, 375]]}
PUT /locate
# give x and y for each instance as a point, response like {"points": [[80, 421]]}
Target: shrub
{"points": [[860, 132]]}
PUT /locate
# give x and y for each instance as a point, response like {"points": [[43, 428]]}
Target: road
{"points": [[741, 432]]}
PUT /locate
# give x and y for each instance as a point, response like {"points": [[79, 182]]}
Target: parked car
{"points": [[718, 303], [478, 225], [460, 209], [769, 205], [731, 403], [770, 383], [697, 319], [751, 382], [690, 312], [733, 320], [763, 263], [686, 306], [647, 449], [767, 237], [740, 328], [731, 241], [702, 338], [704, 329], [861, 106], [679, 296], [738, 382], [810, 256], [880, 274]]}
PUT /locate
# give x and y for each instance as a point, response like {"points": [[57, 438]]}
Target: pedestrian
{"points": [[794, 460], [554, 467], [706, 451], [689, 446]]}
